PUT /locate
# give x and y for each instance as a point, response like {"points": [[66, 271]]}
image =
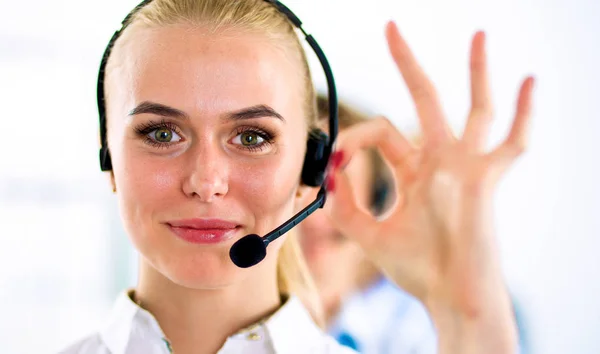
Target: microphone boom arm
{"points": [[319, 202]]}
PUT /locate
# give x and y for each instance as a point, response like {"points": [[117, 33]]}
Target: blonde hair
{"points": [[264, 18]]}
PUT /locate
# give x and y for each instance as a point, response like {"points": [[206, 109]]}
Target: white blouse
{"points": [[133, 330]]}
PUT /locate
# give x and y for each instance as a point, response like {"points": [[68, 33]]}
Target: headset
{"points": [[251, 249]]}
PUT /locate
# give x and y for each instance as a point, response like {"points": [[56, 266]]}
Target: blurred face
{"points": [[207, 136], [333, 260]]}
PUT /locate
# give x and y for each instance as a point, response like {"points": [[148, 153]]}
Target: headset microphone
{"points": [[251, 249]]}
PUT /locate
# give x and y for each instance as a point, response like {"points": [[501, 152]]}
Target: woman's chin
{"points": [[200, 271]]}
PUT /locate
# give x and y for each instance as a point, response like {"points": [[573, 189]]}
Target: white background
{"points": [[63, 255]]}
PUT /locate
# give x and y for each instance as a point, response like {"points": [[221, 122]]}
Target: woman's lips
{"points": [[203, 231]]}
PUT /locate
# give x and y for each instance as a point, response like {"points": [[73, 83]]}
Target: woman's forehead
{"points": [[192, 69]]}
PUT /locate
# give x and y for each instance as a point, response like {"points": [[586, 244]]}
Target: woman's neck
{"points": [[367, 275], [199, 320]]}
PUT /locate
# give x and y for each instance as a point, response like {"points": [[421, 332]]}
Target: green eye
{"points": [[250, 138], [163, 135]]}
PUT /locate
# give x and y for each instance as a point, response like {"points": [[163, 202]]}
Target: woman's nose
{"points": [[208, 174]]}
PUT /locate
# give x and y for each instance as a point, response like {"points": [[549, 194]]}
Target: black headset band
{"points": [[105, 161]]}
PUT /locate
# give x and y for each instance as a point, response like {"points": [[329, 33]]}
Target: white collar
{"points": [[292, 329], [289, 330]]}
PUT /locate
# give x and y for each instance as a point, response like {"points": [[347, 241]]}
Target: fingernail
{"points": [[330, 183], [336, 159]]}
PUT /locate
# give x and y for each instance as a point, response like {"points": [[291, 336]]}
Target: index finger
{"points": [[420, 87], [380, 133]]}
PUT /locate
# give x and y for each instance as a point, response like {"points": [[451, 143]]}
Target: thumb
{"points": [[347, 215]]}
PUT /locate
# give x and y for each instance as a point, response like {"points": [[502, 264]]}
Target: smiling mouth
{"points": [[200, 231]]}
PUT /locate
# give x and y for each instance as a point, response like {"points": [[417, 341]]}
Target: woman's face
{"points": [[207, 137]]}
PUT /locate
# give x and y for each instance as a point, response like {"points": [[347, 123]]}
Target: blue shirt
{"points": [[383, 319]]}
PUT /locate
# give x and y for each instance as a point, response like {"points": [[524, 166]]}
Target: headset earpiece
{"points": [[316, 158], [105, 161]]}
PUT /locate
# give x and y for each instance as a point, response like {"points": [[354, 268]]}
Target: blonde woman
{"points": [[208, 108]]}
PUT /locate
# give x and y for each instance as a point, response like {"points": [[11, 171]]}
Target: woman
{"points": [[209, 104], [362, 309]]}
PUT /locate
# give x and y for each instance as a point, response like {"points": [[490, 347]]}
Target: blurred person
{"points": [[362, 309], [207, 122]]}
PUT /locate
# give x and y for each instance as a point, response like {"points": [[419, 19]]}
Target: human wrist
{"points": [[487, 327]]}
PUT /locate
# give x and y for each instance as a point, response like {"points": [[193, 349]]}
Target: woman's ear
{"points": [[113, 184], [304, 196]]}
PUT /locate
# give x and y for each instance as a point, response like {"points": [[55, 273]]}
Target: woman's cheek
{"points": [[268, 189], [148, 194], [152, 180]]}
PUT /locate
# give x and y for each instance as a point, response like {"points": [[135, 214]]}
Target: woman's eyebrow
{"points": [[158, 109], [253, 112], [258, 111]]}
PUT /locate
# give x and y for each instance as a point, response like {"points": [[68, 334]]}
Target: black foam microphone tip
{"points": [[248, 251]]}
